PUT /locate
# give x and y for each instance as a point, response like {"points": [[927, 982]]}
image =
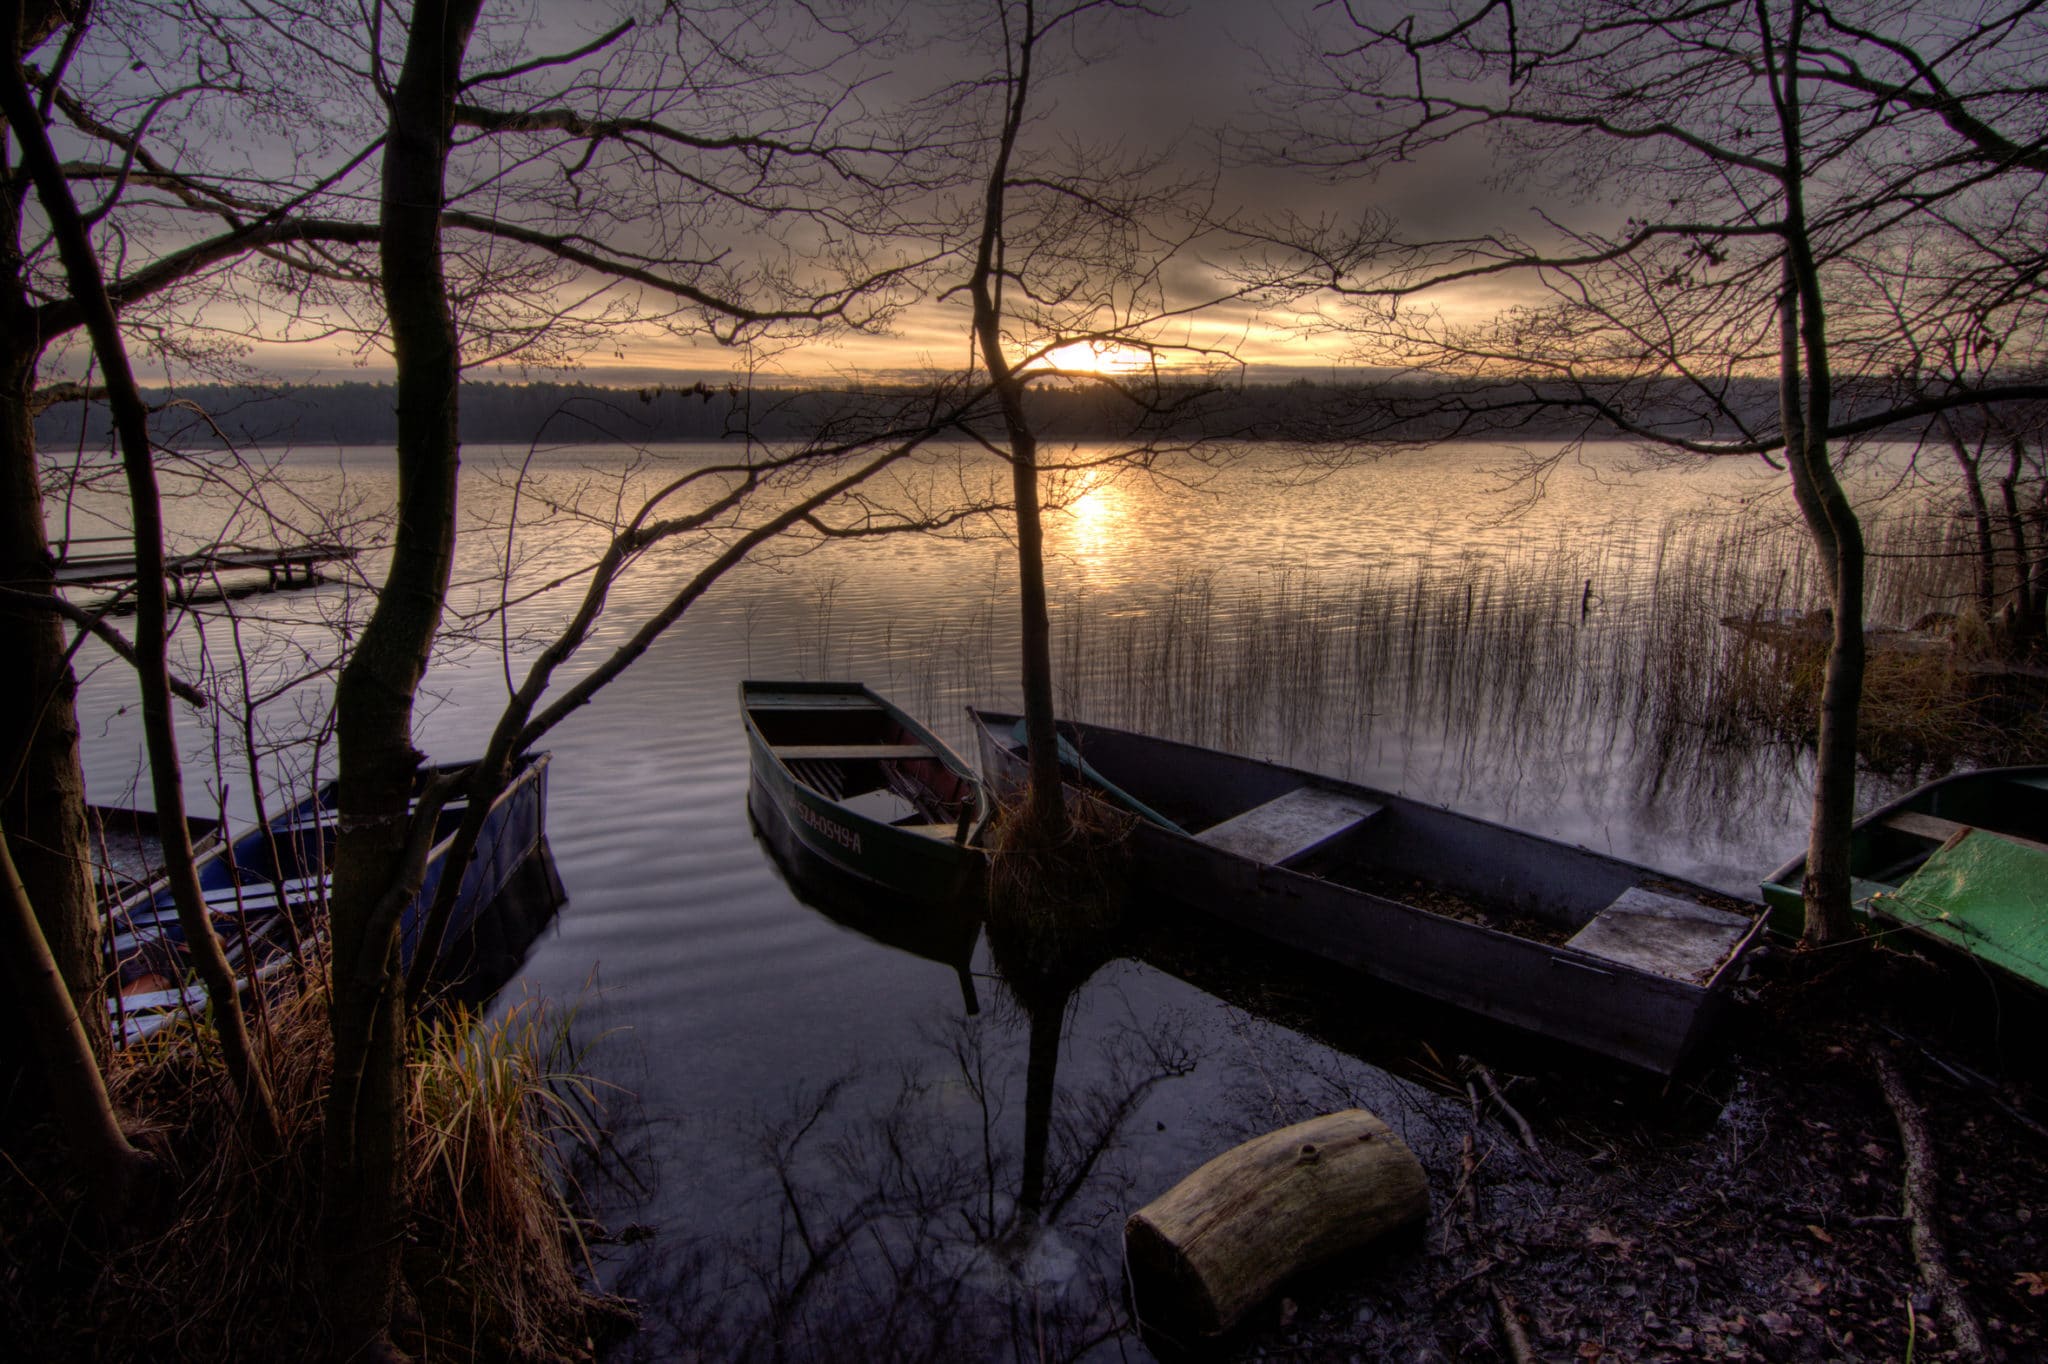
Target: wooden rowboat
{"points": [[1962, 861], [839, 773], [1567, 943], [267, 895]]}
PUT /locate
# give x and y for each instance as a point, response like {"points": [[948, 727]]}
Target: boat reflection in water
{"points": [[958, 1203], [943, 931]]}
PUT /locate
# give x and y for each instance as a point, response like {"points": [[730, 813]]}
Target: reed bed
{"points": [[1613, 651], [1617, 644]]}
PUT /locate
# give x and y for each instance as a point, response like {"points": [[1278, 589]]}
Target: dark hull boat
{"points": [[267, 894], [1581, 948], [840, 774], [1963, 861], [128, 850]]}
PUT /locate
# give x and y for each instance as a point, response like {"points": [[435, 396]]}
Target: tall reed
{"points": [[1606, 643]]}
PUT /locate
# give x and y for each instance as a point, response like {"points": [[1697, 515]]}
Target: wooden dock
{"points": [[284, 565]]}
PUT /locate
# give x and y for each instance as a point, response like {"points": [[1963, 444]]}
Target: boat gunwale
{"points": [[979, 798], [131, 1027], [1781, 878]]}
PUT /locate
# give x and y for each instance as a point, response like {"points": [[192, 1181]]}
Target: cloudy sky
{"points": [[1190, 82]]}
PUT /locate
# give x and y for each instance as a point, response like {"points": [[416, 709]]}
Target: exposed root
{"points": [[1511, 1329], [1510, 1112], [1921, 1195]]}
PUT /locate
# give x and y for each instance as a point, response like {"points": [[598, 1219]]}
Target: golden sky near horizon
{"points": [[1186, 84]]}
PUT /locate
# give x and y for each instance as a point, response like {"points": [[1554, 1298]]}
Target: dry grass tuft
{"points": [[1056, 904], [500, 1108], [226, 1269]]}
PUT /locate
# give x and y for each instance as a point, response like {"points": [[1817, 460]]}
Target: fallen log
{"points": [[1222, 1240]]}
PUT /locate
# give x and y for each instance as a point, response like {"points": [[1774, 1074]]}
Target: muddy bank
{"points": [[1752, 1211]]}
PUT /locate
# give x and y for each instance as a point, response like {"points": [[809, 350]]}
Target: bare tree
{"points": [[385, 834], [1073, 254], [1714, 167], [89, 292], [158, 232]]}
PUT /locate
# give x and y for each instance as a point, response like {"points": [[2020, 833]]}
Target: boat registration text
{"points": [[832, 829]]}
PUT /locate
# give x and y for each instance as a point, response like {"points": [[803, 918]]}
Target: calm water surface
{"points": [[824, 1148]]}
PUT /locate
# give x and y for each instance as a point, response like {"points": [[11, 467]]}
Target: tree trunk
{"points": [[124, 398], [1041, 1072], [42, 789], [1828, 888], [1980, 520], [362, 1170], [1045, 808], [2025, 588], [94, 1140], [1805, 410]]}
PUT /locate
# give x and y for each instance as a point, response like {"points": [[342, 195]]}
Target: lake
{"points": [[821, 1148]]}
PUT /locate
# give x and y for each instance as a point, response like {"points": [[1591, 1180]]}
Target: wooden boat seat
{"points": [[1291, 825], [1942, 830], [255, 895], [821, 777], [943, 831], [1662, 934], [851, 752], [810, 700]]}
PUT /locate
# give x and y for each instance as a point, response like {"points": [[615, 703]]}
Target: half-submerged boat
{"points": [[1582, 948], [267, 895], [845, 776], [1963, 861]]}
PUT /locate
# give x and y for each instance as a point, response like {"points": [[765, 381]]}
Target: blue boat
{"points": [[267, 895]]}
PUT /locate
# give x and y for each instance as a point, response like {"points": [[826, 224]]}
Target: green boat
{"points": [[1962, 861], [839, 773]]}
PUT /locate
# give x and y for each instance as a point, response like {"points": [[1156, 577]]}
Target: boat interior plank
{"points": [[1942, 830], [821, 777], [1291, 825], [1675, 938], [851, 752], [804, 700]]}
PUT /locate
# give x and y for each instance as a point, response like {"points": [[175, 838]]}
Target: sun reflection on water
{"points": [[1093, 524]]}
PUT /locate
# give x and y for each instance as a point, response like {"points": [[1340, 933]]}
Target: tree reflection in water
{"points": [[944, 1220]]}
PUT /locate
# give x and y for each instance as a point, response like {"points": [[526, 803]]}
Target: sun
{"points": [[1096, 357]]}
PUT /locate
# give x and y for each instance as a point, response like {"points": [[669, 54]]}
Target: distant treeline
{"points": [[563, 413]]}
